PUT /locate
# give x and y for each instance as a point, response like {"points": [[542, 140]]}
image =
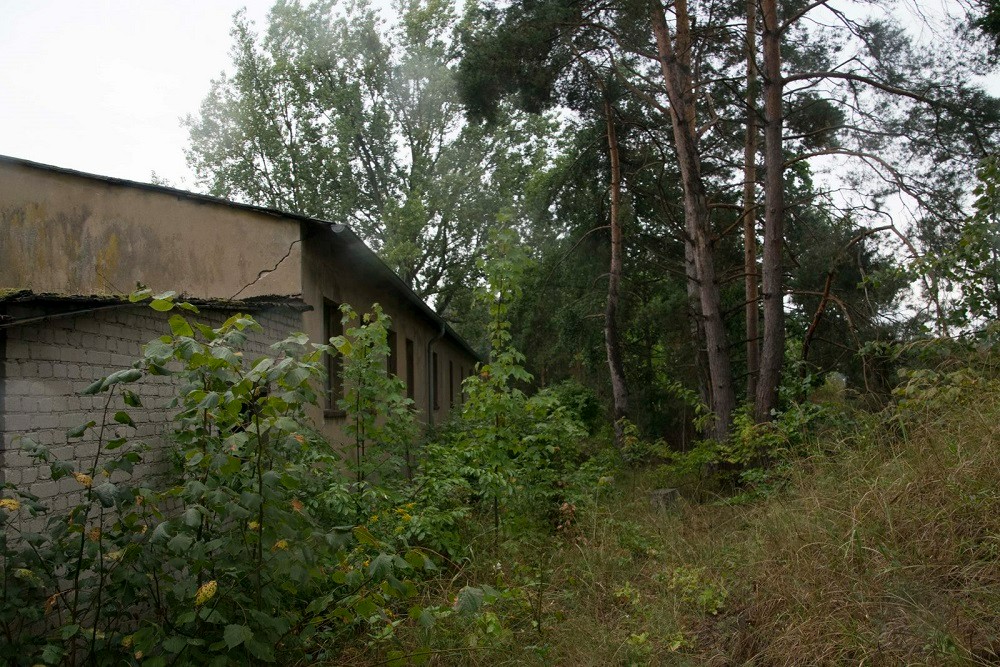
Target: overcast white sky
{"points": [[101, 85]]}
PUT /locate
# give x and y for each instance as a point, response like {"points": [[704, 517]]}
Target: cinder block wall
{"points": [[47, 364]]}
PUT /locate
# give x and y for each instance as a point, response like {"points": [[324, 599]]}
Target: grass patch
{"points": [[882, 549]]}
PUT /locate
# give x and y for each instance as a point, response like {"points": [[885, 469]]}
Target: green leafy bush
{"points": [[230, 563], [266, 543]]}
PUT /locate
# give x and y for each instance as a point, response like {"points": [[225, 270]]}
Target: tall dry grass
{"points": [[887, 552], [882, 549]]}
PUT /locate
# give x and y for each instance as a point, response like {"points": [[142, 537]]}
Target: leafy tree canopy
{"points": [[333, 112]]}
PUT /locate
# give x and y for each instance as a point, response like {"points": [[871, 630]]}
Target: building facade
{"points": [[74, 245]]}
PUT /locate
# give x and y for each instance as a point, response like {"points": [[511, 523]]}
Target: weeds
{"points": [[827, 538]]}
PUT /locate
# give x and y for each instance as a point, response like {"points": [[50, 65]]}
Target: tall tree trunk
{"points": [[675, 64], [774, 197], [750, 208], [612, 342], [697, 324]]}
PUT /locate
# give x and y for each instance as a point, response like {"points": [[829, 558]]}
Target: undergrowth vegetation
{"points": [[833, 536], [514, 535], [269, 545]]}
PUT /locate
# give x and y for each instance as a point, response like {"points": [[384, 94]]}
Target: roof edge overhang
{"points": [[339, 230], [66, 305], [347, 236]]}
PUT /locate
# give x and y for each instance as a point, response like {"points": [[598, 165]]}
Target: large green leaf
{"points": [[469, 600], [236, 635], [106, 494], [123, 417], [175, 644], [78, 431], [365, 537], [127, 375], [179, 326], [161, 305]]}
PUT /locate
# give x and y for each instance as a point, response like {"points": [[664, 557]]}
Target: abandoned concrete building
{"points": [[73, 245]]}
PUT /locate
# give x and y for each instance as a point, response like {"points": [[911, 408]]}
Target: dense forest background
{"points": [[716, 203]]}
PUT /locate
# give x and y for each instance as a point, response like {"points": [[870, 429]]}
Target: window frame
{"points": [[411, 375], [333, 326], [392, 359]]}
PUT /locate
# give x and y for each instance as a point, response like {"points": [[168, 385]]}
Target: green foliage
{"points": [[756, 458], [693, 588], [333, 112], [970, 265], [637, 451], [265, 543], [507, 451], [229, 562], [381, 423]]}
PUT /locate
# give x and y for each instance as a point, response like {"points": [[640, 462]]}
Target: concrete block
{"points": [[17, 422], [47, 421], [64, 452], [47, 489], [87, 325], [96, 358], [664, 499], [68, 420], [41, 352]]}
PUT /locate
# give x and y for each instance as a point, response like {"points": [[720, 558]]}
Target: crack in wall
{"points": [[265, 272]]}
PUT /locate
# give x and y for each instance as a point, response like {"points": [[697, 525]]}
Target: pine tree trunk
{"points": [[750, 209], [612, 342], [772, 354], [697, 324], [676, 68]]}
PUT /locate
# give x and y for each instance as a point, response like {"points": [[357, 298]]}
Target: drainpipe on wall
{"points": [[3, 407], [430, 375]]}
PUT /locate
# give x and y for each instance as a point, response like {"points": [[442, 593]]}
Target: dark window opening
{"points": [[332, 327], [434, 380], [411, 380], [392, 361]]}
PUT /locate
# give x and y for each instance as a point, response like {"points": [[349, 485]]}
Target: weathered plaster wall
{"points": [[333, 270], [48, 363], [70, 234]]}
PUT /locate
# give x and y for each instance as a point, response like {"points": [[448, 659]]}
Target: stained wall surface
{"points": [[65, 233]]}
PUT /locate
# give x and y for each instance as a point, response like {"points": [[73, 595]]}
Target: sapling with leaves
{"points": [[243, 545], [494, 404], [63, 566], [380, 418], [510, 447], [240, 558]]}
